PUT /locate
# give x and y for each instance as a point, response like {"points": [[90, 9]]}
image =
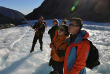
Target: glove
{"points": [[50, 62], [61, 53]]}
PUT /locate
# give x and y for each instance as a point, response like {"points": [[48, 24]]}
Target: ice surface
{"points": [[15, 45]]}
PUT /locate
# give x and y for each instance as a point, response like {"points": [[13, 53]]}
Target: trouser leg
{"points": [[58, 67], [33, 43], [40, 41], [54, 66]]}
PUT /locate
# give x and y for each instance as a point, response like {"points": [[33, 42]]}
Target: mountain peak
{"points": [[90, 10]]}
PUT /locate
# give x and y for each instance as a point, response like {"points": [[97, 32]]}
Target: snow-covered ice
{"points": [[15, 45]]}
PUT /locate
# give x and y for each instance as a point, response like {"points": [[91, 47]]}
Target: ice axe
{"points": [[37, 33], [26, 20]]}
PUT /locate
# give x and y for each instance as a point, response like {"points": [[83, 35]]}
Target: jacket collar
{"points": [[81, 35]]}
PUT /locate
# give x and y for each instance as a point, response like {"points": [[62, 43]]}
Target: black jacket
{"points": [[52, 31], [40, 26]]}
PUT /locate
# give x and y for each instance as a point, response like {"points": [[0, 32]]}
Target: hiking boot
{"points": [[53, 72], [31, 51], [41, 48]]}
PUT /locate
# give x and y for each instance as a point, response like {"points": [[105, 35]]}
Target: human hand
{"points": [[53, 47], [36, 30]]}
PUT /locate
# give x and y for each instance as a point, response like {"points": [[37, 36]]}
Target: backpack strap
{"points": [[61, 44]]}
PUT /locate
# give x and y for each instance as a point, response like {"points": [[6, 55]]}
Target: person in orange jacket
{"points": [[78, 49], [58, 46]]}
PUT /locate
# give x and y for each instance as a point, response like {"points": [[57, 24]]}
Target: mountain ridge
{"points": [[88, 10], [8, 17]]}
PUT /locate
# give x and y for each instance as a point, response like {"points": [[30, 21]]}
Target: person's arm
{"points": [[53, 47], [31, 26], [80, 62], [45, 24], [52, 43], [62, 49], [50, 30], [35, 25]]}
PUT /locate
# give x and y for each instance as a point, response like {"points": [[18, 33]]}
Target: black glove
{"points": [[50, 62], [61, 53]]}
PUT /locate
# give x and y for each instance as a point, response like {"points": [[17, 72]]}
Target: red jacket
{"points": [[76, 54]]}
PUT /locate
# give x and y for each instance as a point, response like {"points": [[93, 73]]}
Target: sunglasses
{"points": [[61, 29], [71, 25]]}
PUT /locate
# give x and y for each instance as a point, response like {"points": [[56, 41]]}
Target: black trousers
{"points": [[57, 66], [35, 40]]}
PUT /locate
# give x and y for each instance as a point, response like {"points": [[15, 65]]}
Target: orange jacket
{"points": [[59, 44], [76, 54]]}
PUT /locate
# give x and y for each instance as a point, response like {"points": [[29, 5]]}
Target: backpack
{"points": [[93, 57]]}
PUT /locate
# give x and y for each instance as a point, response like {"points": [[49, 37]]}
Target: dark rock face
{"points": [[12, 14], [9, 17], [90, 10], [5, 22]]}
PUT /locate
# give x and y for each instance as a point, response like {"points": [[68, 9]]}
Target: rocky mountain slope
{"points": [[9, 17], [90, 10]]}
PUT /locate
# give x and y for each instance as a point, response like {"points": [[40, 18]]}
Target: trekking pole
{"points": [[26, 20]]}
